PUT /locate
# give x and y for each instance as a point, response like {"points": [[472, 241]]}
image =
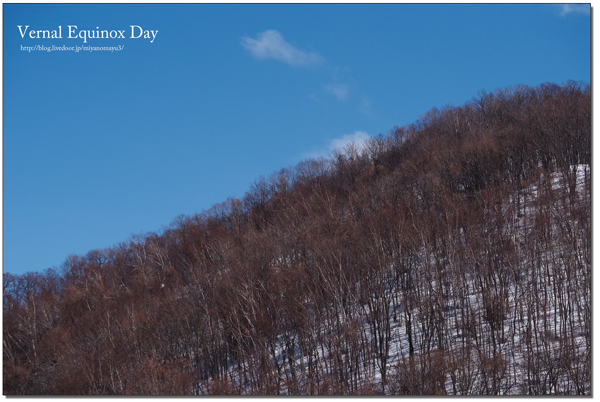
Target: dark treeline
{"points": [[451, 256]]}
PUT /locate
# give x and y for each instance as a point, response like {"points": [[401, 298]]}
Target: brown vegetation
{"points": [[440, 260]]}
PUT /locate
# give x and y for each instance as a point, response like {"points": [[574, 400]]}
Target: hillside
{"points": [[450, 256]]}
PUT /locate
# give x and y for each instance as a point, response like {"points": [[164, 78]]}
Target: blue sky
{"points": [[101, 145]]}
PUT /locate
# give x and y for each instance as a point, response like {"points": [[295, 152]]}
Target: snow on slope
{"points": [[526, 340]]}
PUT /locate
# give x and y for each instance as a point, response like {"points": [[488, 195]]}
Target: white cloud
{"points": [[366, 106], [271, 45], [359, 139], [574, 9], [340, 91]]}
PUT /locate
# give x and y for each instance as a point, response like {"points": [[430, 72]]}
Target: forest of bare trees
{"points": [[450, 256]]}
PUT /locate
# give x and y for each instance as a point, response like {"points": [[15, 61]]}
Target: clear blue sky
{"points": [[101, 145]]}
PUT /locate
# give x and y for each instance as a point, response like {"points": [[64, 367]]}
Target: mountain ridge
{"points": [[417, 264]]}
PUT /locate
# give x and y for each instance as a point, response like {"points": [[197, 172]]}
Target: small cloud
{"points": [[271, 45], [365, 106], [574, 9], [359, 139], [340, 91]]}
